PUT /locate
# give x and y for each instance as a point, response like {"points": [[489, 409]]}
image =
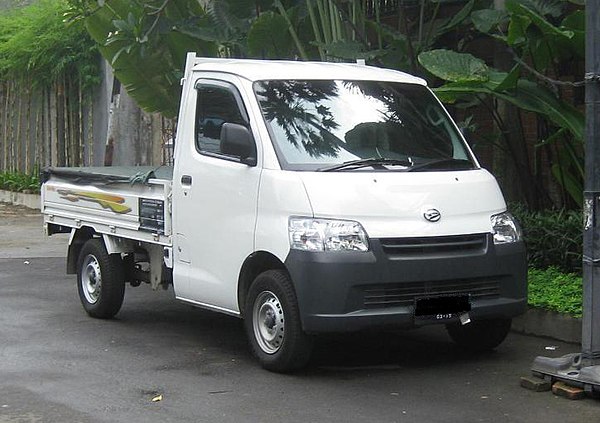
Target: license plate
{"points": [[441, 308]]}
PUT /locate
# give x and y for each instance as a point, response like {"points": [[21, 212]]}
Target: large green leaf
{"points": [[553, 8], [558, 41], [520, 9], [527, 96], [458, 18], [452, 66], [485, 20], [517, 30], [506, 81], [571, 183], [269, 37], [575, 22], [538, 99]]}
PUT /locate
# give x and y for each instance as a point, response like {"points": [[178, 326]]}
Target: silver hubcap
{"points": [[91, 279], [268, 322]]}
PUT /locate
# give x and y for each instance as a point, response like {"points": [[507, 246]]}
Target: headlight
{"points": [[505, 228], [326, 235]]}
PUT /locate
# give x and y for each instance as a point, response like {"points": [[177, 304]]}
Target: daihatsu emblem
{"points": [[432, 215]]}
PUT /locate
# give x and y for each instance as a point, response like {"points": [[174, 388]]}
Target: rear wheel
{"points": [[483, 335], [100, 280], [272, 322]]}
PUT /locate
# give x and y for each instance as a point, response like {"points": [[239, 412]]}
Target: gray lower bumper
{"points": [[350, 291]]}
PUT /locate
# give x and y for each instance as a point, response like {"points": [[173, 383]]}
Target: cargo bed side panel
{"points": [[111, 208]]}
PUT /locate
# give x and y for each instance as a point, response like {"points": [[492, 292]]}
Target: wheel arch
{"points": [[255, 264], [78, 237]]}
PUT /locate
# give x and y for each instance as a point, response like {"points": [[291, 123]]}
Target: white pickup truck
{"points": [[306, 198]]}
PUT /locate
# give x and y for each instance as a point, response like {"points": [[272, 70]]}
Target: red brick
{"points": [[570, 392]]}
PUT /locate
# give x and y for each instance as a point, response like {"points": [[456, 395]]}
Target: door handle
{"points": [[186, 180]]}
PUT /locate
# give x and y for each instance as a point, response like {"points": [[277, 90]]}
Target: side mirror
{"points": [[237, 140]]}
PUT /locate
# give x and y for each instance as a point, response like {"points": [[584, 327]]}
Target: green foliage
{"points": [[533, 38], [553, 290], [485, 20], [269, 36], [36, 44], [456, 67], [146, 42], [20, 182], [553, 238], [524, 93]]}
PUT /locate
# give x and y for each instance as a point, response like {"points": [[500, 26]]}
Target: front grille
{"points": [[395, 295], [439, 245]]}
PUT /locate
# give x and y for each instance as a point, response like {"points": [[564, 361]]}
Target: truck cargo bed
{"points": [[130, 202]]}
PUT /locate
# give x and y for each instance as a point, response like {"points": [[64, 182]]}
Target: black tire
{"points": [[272, 322], [479, 336], [100, 280]]}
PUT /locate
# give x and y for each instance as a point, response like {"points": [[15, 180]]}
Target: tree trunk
{"points": [[125, 131]]}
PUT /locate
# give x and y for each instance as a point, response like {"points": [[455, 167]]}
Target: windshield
{"points": [[318, 125]]}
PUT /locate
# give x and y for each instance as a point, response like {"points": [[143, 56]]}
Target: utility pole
{"points": [[583, 370]]}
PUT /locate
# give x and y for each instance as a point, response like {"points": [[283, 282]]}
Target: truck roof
{"points": [[259, 70]]}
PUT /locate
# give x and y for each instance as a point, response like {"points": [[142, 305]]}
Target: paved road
{"points": [[58, 365]]}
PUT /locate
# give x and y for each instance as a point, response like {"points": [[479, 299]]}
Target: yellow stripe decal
{"points": [[107, 201]]}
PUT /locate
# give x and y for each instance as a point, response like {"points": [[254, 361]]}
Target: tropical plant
{"points": [[350, 30], [538, 46], [554, 238], [338, 29], [143, 44], [145, 41], [20, 182], [36, 45]]}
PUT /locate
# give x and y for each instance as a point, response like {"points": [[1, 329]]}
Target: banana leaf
{"points": [[526, 95], [452, 66], [146, 51]]}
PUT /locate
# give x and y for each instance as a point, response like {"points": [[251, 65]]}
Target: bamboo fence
{"points": [[41, 127], [54, 127]]}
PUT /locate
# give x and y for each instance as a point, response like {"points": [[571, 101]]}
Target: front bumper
{"points": [[350, 291]]}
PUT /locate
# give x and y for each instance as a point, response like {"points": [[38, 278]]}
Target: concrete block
{"points": [[20, 199], [540, 322], [535, 384]]}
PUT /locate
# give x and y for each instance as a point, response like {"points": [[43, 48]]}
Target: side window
{"points": [[216, 105]]}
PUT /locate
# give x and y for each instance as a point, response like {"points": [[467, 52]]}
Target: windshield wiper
{"points": [[443, 164], [374, 161]]}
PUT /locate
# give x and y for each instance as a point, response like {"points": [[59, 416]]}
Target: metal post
{"points": [[590, 341], [583, 369]]}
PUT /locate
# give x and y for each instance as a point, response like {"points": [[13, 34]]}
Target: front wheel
{"points": [[478, 336], [272, 322], [100, 280]]}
